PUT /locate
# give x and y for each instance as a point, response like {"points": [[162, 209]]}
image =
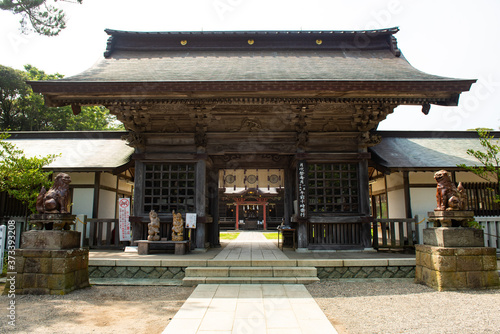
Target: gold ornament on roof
{"points": [[184, 42], [319, 41], [251, 41]]}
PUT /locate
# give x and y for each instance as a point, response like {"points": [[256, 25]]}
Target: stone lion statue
{"points": [[55, 200], [448, 196], [153, 226], [177, 227]]}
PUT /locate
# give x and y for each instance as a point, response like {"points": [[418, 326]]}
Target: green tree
{"points": [[25, 110], [489, 158], [20, 176], [12, 88], [38, 15]]}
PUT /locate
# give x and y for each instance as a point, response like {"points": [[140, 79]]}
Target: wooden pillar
{"points": [[237, 216], [201, 185], [97, 190], [406, 184], [214, 207], [364, 203], [138, 204], [289, 176], [265, 213]]}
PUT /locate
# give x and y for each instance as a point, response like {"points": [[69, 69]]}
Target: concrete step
{"points": [[193, 281], [251, 272]]}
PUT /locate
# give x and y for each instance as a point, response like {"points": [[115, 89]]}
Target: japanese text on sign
{"points": [[123, 218], [302, 190]]}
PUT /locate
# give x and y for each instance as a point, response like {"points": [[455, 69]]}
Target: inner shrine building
{"points": [[252, 129]]}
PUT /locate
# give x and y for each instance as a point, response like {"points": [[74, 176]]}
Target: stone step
{"points": [[245, 272], [193, 281]]}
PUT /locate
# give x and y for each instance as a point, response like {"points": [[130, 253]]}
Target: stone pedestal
{"points": [[49, 262], [453, 237], [452, 218], [454, 259]]}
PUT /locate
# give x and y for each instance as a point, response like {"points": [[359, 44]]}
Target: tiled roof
{"points": [[265, 65], [272, 56], [312, 64], [426, 150], [79, 150]]}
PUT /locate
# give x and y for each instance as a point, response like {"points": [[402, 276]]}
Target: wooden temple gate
{"points": [[305, 102]]}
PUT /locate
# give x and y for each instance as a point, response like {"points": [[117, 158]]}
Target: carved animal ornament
{"points": [[448, 196], [55, 200]]}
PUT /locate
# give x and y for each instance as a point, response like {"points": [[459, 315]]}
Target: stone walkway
{"points": [[250, 246], [250, 308]]}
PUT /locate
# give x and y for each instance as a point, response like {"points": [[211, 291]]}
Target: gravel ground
{"points": [[353, 306], [98, 309], [400, 306]]}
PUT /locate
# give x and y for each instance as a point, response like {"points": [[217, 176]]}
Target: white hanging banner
{"points": [[3, 236], [123, 219], [190, 220]]}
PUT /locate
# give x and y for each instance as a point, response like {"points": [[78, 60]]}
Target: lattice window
{"points": [[333, 188], [169, 187]]}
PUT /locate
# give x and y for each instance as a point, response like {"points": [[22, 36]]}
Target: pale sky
{"points": [[452, 38]]}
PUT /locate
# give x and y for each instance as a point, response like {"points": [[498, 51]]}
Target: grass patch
{"points": [[228, 236], [271, 236]]}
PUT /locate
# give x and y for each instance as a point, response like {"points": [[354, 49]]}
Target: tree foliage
{"points": [[38, 15], [23, 110], [20, 176], [489, 158]]}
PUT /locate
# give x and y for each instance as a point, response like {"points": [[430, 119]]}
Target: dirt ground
{"points": [[98, 309]]}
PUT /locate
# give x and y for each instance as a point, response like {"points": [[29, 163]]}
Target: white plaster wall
{"points": [[107, 204], [396, 200], [423, 200], [82, 178], [108, 180], [83, 201], [124, 186], [378, 185], [394, 180], [422, 178], [469, 177]]}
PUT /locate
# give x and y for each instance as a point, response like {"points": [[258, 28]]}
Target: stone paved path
{"points": [[249, 309], [251, 246]]}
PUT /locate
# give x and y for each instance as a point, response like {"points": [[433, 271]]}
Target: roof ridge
{"points": [[391, 30]]}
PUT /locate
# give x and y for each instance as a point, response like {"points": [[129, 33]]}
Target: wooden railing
{"points": [[481, 198], [335, 235], [398, 233], [227, 223], [104, 234], [491, 228]]}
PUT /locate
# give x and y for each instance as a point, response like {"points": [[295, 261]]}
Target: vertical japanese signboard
{"points": [[3, 236], [123, 218], [302, 189]]}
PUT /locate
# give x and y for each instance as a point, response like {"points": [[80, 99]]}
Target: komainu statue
{"points": [[153, 226], [55, 200], [448, 196], [177, 227]]}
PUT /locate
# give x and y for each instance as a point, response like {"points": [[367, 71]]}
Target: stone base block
{"points": [[52, 272], [453, 237], [50, 240], [456, 268]]}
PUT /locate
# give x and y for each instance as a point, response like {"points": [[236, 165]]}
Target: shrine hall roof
{"points": [[252, 56], [154, 66], [79, 151], [426, 150]]}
